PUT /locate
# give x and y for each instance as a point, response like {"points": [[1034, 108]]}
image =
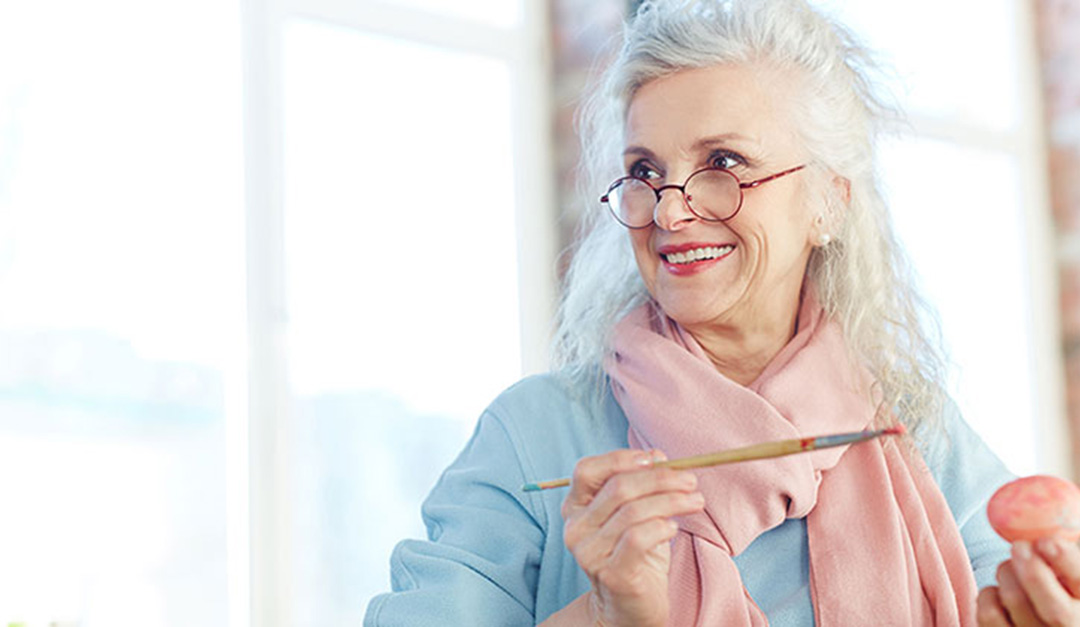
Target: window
{"points": [[968, 197], [402, 288], [121, 324], [408, 150], [260, 265]]}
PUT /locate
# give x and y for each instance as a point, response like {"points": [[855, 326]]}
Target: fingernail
{"points": [[658, 456], [1048, 547], [643, 459], [1022, 550]]}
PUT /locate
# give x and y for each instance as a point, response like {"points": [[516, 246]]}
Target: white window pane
{"points": [[959, 212], [120, 269], [958, 58], [401, 270]]}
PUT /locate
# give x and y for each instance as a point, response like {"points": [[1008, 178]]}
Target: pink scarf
{"points": [[884, 548]]}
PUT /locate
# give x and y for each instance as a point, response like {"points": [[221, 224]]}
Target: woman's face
{"points": [[735, 117]]}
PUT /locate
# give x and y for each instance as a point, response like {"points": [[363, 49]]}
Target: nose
{"points": [[671, 213]]}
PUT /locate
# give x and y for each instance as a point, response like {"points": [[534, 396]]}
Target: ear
{"points": [[835, 202], [842, 190]]}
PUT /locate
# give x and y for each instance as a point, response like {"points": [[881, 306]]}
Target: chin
{"points": [[690, 314]]}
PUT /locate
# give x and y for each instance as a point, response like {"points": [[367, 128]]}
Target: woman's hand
{"points": [[618, 527], [1040, 585]]}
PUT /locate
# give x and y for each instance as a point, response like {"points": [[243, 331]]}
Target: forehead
{"points": [[675, 111]]}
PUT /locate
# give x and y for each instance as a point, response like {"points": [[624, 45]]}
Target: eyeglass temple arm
{"points": [[770, 178]]}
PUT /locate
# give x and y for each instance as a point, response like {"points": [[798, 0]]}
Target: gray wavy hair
{"points": [[863, 278]]}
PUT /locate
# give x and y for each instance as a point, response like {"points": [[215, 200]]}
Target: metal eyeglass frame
{"points": [[682, 189]]}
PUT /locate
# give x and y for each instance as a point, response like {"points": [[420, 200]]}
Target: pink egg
{"points": [[1036, 507]]}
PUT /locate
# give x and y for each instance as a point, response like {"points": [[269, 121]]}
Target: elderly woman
{"points": [[745, 287]]}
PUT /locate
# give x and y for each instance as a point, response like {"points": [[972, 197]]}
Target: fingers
{"points": [[624, 523], [640, 539], [631, 486], [591, 473], [1013, 598], [619, 509], [1052, 603], [1064, 559], [989, 611]]}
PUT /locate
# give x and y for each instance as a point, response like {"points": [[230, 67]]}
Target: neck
{"points": [[741, 351]]}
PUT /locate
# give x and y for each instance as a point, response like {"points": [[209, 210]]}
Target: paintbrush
{"points": [[764, 450]]}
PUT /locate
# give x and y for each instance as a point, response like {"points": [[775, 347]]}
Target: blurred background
{"points": [[264, 262]]}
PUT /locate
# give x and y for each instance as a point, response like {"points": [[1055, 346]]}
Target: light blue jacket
{"points": [[495, 554]]}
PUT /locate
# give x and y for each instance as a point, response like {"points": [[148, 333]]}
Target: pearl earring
{"points": [[824, 239]]}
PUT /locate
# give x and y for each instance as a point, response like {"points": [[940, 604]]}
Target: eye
{"points": [[726, 159], [643, 170]]}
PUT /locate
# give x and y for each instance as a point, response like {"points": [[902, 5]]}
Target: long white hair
{"points": [[862, 278]]}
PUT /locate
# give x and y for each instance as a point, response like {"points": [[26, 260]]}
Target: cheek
{"points": [[753, 237], [639, 241], [643, 257], [784, 234]]}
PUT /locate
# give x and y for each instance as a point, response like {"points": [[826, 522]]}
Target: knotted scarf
{"points": [[884, 548]]}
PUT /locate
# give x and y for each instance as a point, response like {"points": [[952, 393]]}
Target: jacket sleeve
{"points": [[480, 563], [969, 473]]}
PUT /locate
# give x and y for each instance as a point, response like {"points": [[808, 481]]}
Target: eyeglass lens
{"points": [[711, 194]]}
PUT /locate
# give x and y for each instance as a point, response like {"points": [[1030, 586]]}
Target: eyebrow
{"points": [[700, 145]]}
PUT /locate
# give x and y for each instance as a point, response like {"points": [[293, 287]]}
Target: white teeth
{"points": [[697, 254]]}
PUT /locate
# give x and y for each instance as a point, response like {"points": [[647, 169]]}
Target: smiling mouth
{"points": [[697, 254]]}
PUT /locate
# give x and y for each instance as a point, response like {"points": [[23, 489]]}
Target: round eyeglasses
{"points": [[712, 194]]}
